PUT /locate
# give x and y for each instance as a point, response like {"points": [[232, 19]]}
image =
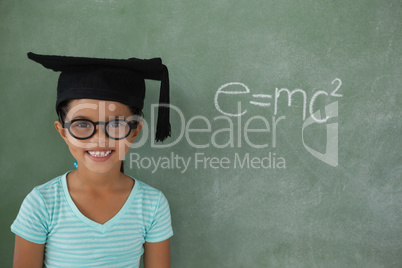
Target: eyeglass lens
{"points": [[83, 129]]}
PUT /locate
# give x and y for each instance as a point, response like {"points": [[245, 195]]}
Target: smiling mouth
{"points": [[99, 153]]}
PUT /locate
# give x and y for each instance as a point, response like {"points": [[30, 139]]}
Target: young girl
{"points": [[96, 216]]}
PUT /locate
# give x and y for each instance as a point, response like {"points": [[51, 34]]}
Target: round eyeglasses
{"points": [[116, 129]]}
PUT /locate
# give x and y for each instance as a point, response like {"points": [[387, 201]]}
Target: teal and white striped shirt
{"points": [[48, 215]]}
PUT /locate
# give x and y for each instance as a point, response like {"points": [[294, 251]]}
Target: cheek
{"points": [[122, 148], [76, 145], [74, 150]]}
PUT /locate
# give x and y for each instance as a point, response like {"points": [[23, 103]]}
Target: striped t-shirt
{"points": [[48, 215]]}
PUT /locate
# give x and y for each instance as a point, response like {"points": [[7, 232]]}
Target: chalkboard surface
{"points": [[286, 116]]}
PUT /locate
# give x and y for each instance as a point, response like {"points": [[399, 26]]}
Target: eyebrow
{"points": [[80, 117]]}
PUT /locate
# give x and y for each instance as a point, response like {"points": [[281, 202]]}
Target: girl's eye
{"points": [[82, 124], [116, 124]]}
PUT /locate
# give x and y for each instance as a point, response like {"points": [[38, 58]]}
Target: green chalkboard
{"points": [[286, 116]]}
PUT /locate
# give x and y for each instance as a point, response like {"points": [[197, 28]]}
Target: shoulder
{"points": [[36, 212], [147, 189], [148, 194], [49, 191], [51, 186]]}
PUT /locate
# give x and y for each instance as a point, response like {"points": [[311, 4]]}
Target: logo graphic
{"points": [[331, 152]]}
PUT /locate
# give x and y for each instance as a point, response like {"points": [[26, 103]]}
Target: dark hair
{"points": [[63, 108]]}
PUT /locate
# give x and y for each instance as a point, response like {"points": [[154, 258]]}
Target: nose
{"points": [[100, 136]]}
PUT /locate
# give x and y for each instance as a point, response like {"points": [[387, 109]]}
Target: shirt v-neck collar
{"points": [[100, 227]]}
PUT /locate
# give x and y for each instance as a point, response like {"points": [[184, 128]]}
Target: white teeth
{"points": [[99, 153]]}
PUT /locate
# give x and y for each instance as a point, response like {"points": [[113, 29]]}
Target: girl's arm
{"points": [[157, 255], [28, 254]]}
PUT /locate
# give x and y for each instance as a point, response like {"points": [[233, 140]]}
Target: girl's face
{"points": [[99, 153]]}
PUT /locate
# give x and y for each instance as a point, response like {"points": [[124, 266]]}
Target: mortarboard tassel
{"points": [[163, 128]]}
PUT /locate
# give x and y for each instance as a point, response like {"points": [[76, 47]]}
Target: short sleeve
{"points": [[31, 222], [161, 227]]}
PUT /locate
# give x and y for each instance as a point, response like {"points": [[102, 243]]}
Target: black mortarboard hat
{"points": [[110, 79]]}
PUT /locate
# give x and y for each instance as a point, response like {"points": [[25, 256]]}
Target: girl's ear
{"points": [[136, 131], [60, 129]]}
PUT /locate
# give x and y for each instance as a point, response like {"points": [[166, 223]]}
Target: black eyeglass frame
{"points": [[132, 125]]}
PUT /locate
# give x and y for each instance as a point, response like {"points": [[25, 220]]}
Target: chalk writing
{"points": [[338, 87], [266, 98], [264, 104], [221, 91]]}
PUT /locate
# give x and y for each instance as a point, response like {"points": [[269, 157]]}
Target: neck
{"points": [[88, 180]]}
